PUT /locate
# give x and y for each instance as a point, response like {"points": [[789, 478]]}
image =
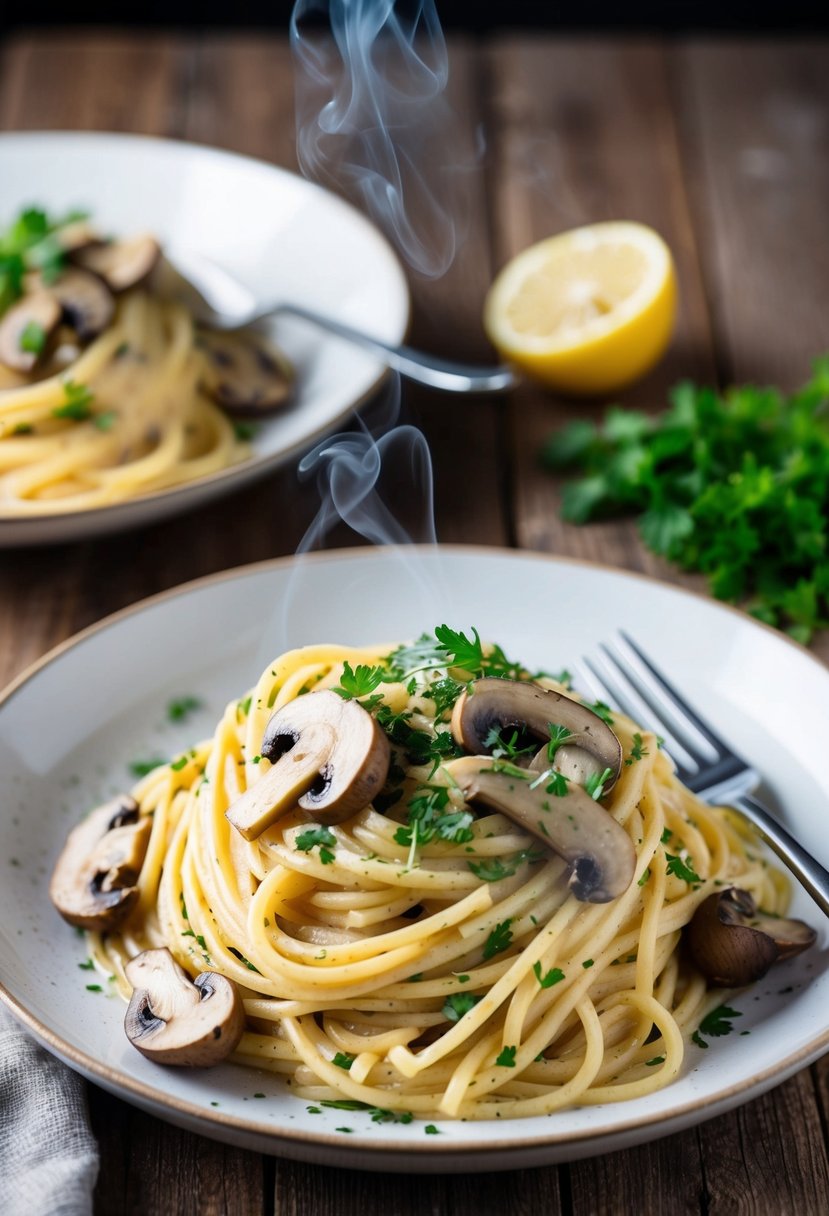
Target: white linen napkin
{"points": [[48, 1155]]}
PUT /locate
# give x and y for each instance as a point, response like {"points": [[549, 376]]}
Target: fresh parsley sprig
{"points": [[715, 1024], [733, 484], [322, 838]]}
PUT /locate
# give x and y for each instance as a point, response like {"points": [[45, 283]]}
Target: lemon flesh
{"points": [[587, 311]]}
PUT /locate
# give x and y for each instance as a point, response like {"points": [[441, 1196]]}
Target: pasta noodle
{"points": [[156, 428], [108, 388], [455, 977]]}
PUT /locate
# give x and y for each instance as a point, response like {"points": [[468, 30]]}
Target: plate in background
{"points": [[61, 753], [279, 235]]}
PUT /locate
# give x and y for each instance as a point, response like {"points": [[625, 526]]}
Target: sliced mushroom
{"points": [[599, 850], [329, 756], [244, 373], [76, 236], [175, 1020], [733, 945], [26, 328], [121, 264], [489, 704], [86, 301], [94, 881]]}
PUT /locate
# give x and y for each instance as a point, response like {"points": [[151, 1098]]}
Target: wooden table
{"points": [[722, 146]]}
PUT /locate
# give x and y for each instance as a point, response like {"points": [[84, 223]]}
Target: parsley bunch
{"points": [[733, 484]]}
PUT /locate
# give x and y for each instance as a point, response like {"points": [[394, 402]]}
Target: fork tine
{"points": [[666, 694], [618, 691]]}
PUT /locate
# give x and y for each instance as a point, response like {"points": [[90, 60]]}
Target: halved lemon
{"points": [[587, 311]]}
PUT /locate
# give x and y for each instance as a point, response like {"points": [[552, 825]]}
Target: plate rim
{"points": [[211, 484], [161, 1101]]}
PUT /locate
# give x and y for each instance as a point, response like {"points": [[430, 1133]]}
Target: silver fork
{"points": [[630, 681]]}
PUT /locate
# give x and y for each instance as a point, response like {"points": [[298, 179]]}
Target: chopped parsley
{"points": [[498, 940], [558, 735], [501, 746], [493, 868], [343, 1060], [78, 402], [638, 750], [183, 707], [444, 693], [595, 783], [455, 1006], [715, 1024], [555, 976], [431, 1130], [379, 1114], [33, 338], [507, 1057], [429, 818], [105, 421], [319, 837], [140, 768], [682, 868], [603, 711], [242, 959]]}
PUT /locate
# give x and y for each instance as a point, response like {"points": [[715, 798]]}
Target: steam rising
{"points": [[374, 123]]}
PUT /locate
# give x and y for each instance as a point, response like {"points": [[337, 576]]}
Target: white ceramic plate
{"points": [[69, 728], [278, 235]]}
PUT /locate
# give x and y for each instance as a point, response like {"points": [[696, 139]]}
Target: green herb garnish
{"points": [[33, 338], [498, 940], [682, 868], [715, 1024], [555, 976], [322, 838], [455, 1006], [78, 403], [182, 707], [734, 484]]}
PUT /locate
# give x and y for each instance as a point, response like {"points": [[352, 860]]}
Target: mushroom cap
{"points": [[329, 756], [36, 308], [504, 704], [733, 945], [93, 883], [583, 833], [244, 373], [121, 264], [86, 301], [175, 1020]]}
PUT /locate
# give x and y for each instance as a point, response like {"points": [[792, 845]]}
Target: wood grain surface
{"points": [[723, 148]]}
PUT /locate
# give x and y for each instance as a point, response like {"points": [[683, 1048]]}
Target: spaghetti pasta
{"points": [[423, 955], [108, 388]]}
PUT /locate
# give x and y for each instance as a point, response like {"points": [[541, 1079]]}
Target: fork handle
{"points": [[416, 365], [809, 872]]}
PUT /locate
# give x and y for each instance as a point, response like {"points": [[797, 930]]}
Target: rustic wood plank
{"points": [[150, 1168], [754, 120], [318, 1191], [582, 132], [769, 1156], [660, 1178]]}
